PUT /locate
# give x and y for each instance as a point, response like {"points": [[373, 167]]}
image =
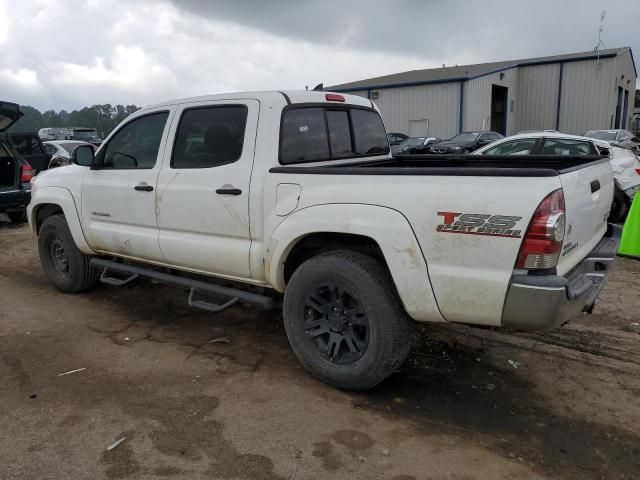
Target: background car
{"points": [[623, 138], [414, 145], [465, 142], [625, 163], [395, 138], [61, 150]]}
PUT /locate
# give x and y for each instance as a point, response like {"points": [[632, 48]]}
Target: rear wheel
{"points": [[619, 206], [344, 320], [17, 217], [67, 268]]}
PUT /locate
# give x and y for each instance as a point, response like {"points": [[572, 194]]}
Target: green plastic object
{"points": [[630, 242]]}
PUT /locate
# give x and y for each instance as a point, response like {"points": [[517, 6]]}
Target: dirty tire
{"points": [[17, 217], [67, 268], [367, 283], [619, 206]]}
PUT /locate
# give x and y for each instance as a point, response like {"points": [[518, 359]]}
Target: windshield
{"points": [[464, 137], [607, 136], [85, 134], [71, 146], [412, 142]]}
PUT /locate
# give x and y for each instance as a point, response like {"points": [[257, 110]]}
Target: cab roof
{"points": [[274, 97]]}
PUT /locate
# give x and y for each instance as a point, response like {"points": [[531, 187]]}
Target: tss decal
{"points": [[479, 224]]}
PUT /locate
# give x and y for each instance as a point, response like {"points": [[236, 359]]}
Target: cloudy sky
{"points": [[65, 54]]}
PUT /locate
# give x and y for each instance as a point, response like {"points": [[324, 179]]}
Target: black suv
{"points": [[30, 147], [465, 142], [14, 196]]}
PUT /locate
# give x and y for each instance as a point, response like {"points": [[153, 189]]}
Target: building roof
{"points": [[466, 72]]}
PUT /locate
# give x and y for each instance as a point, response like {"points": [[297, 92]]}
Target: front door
{"points": [[118, 197], [203, 187]]}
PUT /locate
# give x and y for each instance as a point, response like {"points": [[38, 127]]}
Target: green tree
{"points": [[103, 118]]}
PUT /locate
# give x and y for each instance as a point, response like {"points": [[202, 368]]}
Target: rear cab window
{"points": [[320, 133]]}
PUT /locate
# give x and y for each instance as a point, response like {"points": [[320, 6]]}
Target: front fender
{"points": [[61, 197], [387, 227]]}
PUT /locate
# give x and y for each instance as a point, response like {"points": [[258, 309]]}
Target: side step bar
{"points": [[230, 295]]}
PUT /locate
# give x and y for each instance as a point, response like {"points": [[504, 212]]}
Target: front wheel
{"points": [[67, 268], [344, 320]]}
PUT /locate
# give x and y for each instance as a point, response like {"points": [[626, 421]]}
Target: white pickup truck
{"points": [[239, 197]]}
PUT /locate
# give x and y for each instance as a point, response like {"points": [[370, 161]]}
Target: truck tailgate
{"points": [[588, 193]]}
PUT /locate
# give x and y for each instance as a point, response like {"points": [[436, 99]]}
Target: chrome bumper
{"points": [[547, 301]]}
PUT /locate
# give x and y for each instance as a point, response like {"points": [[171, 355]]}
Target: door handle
{"points": [[143, 187], [595, 186], [228, 190]]}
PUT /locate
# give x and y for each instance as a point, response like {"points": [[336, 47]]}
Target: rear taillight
{"points": [[543, 241], [638, 171], [27, 173]]}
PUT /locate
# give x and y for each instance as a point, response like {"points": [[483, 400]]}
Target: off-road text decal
{"points": [[479, 224]]}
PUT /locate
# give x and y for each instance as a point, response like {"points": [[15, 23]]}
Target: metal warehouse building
{"points": [[571, 93]]}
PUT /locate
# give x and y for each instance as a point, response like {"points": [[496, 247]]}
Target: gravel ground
{"points": [[469, 403]]}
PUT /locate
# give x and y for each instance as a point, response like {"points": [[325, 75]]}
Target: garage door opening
{"points": [[499, 109]]}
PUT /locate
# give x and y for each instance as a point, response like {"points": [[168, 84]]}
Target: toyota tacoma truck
{"points": [[241, 197]]}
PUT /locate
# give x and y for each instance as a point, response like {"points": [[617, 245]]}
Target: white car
{"points": [[625, 163], [296, 193], [61, 150]]}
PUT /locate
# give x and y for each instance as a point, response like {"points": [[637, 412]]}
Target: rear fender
{"points": [[61, 197], [387, 227]]}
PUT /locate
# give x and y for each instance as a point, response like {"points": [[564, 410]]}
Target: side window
{"points": [[209, 136], [35, 146], [304, 136], [136, 144], [20, 143], [556, 146], [516, 147], [51, 150], [368, 130], [339, 133]]}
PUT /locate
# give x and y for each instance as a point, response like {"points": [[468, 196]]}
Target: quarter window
{"points": [[136, 144], [370, 137], [210, 137], [304, 136]]}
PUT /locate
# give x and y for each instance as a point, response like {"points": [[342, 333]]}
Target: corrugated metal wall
{"points": [[537, 100], [587, 98], [626, 78], [438, 103], [477, 100]]}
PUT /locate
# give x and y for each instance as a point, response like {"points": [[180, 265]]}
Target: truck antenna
{"points": [[600, 44]]}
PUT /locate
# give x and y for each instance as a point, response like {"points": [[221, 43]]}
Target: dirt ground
{"points": [[470, 403]]}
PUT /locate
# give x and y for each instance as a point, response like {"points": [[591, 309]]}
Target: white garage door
{"points": [[419, 128]]}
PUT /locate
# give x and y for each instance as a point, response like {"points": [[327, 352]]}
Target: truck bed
{"points": [[456, 165]]}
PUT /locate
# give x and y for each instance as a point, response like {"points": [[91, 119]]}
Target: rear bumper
{"points": [[14, 200], [543, 302]]}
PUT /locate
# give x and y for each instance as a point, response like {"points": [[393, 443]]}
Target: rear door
{"points": [[203, 188], [588, 193]]}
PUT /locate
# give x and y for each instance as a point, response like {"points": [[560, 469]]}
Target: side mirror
{"points": [[83, 156]]}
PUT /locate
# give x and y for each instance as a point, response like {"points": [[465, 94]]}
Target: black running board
{"points": [[229, 295]]}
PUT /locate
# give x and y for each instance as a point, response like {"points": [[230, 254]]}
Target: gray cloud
{"points": [[58, 54]]}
